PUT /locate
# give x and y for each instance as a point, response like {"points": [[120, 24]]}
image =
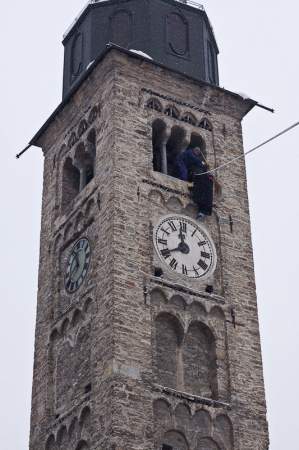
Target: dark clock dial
{"points": [[185, 246], [77, 265]]}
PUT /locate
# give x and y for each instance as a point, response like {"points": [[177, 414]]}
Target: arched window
{"points": [[174, 440], [175, 145], [159, 146], [70, 183], [154, 104], [168, 338], [205, 125], [189, 118], [171, 111], [199, 357]]}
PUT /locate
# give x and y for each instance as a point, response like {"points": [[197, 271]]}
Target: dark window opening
{"points": [[175, 145], [154, 104], [167, 447], [159, 149], [205, 125], [189, 118], [87, 388], [70, 183], [171, 111]]}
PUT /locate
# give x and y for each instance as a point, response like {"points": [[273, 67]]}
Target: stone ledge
{"points": [[191, 398], [180, 288]]}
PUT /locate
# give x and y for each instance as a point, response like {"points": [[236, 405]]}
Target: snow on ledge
{"points": [[139, 52]]}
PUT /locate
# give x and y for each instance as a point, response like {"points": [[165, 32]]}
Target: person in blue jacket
{"points": [[190, 165]]}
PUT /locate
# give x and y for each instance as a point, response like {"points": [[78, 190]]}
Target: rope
{"points": [[251, 151]]}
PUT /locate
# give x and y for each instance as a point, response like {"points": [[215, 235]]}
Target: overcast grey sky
{"points": [[258, 41]]}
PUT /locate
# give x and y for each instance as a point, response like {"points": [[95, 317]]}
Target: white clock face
{"points": [[185, 246], [77, 265]]}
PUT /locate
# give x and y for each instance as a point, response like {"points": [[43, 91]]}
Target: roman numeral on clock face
{"points": [[162, 241], [184, 270], [202, 264], [206, 255], [173, 264], [172, 225], [183, 227], [165, 252], [201, 243]]}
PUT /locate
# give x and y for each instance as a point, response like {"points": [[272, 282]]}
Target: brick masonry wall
{"points": [[121, 299]]}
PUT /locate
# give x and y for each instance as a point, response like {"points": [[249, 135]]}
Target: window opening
{"points": [[154, 104], [159, 146], [167, 447], [174, 147], [189, 118], [171, 111], [70, 183], [205, 124]]}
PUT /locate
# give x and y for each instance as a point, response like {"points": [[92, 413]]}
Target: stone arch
{"points": [[178, 302], [190, 210], [156, 196], [58, 243], [77, 318], [175, 145], [189, 118], [65, 327], [54, 336], [70, 183], [197, 309], [162, 413], [207, 443], [92, 115], [205, 124], [199, 359], [182, 415], [159, 131], [158, 297], [82, 445], [82, 127], [202, 423], [176, 440], [90, 208], [84, 420], [79, 222], [73, 428], [121, 28], [73, 139], [68, 231], [223, 430], [174, 204], [88, 306], [62, 436], [168, 338], [154, 104], [172, 111], [217, 313], [50, 444]]}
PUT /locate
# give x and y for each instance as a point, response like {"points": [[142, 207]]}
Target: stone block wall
{"points": [[132, 360]]}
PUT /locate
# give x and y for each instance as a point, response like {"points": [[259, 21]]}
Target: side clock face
{"points": [[185, 247], [77, 265]]}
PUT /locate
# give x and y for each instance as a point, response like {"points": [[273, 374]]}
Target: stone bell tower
{"points": [[147, 332]]}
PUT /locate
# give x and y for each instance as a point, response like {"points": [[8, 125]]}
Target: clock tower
{"points": [[147, 333]]}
